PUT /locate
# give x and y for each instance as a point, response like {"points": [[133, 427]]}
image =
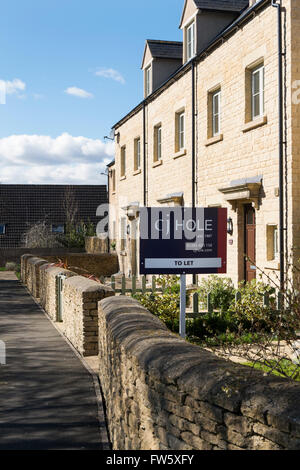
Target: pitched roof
{"points": [[225, 5], [165, 49]]}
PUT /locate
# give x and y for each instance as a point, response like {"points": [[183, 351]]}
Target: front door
{"points": [[250, 245]]}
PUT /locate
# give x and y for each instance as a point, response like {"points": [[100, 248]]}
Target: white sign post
{"points": [[182, 323]]}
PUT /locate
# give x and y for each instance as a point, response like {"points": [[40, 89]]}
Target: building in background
{"points": [[24, 206], [208, 134]]}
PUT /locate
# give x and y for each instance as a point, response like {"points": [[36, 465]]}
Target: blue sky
{"points": [[51, 46]]}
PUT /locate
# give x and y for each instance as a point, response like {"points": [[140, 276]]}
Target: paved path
{"points": [[47, 396]]}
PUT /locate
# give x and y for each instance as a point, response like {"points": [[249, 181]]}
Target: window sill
{"points": [[180, 153], [214, 140], [113, 193], [137, 172], [255, 124], [158, 163], [273, 265], [123, 178]]}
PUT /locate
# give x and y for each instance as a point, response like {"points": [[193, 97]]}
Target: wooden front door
{"points": [[250, 245]]}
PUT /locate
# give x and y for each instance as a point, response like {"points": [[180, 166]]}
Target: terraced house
{"points": [[218, 126]]}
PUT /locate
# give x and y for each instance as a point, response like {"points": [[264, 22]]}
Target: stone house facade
{"points": [[209, 135]]}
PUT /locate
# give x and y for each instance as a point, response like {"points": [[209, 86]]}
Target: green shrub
{"points": [[75, 235], [249, 311], [221, 290], [164, 305]]}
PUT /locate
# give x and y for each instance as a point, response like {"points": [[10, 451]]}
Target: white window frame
{"points": [[190, 42], [148, 80], [181, 130], [3, 232], [216, 114], [276, 243], [137, 155], [158, 134], [260, 71]]}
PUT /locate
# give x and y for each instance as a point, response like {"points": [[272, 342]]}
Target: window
{"points": [[272, 242], [137, 154], [258, 91], [58, 228], [180, 131], [216, 112], [190, 41], [148, 81], [123, 161], [275, 243], [113, 180], [157, 143], [123, 234], [114, 230], [2, 229]]}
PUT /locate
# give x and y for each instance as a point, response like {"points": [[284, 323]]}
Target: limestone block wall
{"points": [[96, 245], [24, 260], [49, 290], [101, 264], [33, 275], [164, 393], [80, 297], [80, 312]]}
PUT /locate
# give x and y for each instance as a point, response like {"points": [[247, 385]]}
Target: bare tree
{"points": [[40, 236], [70, 206]]}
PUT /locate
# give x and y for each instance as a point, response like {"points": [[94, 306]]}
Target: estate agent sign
{"points": [[179, 240]]}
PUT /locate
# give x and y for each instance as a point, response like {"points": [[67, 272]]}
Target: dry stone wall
{"points": [[79, 300], [164, 393], [80, 312]]}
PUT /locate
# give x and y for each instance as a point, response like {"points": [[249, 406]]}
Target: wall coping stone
{"points": [[83, 284]]}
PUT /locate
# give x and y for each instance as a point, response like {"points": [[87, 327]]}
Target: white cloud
{"points": [[38, 159], [79, 92], [112, 74], [13, 87]]}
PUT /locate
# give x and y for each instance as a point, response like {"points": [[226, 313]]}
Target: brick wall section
{"points": [[80, 312], [104, 264], [96, 245], [164, 393]]}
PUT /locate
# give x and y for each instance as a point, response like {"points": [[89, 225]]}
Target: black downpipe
{"points": [[281, 143], [193, 147], [193, 138], [144, 154]]}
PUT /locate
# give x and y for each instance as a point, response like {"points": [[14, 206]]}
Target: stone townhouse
{"points": [[218, 127]]}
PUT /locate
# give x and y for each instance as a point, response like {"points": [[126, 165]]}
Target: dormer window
{"points": [[190, 41], [148, 80]]}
